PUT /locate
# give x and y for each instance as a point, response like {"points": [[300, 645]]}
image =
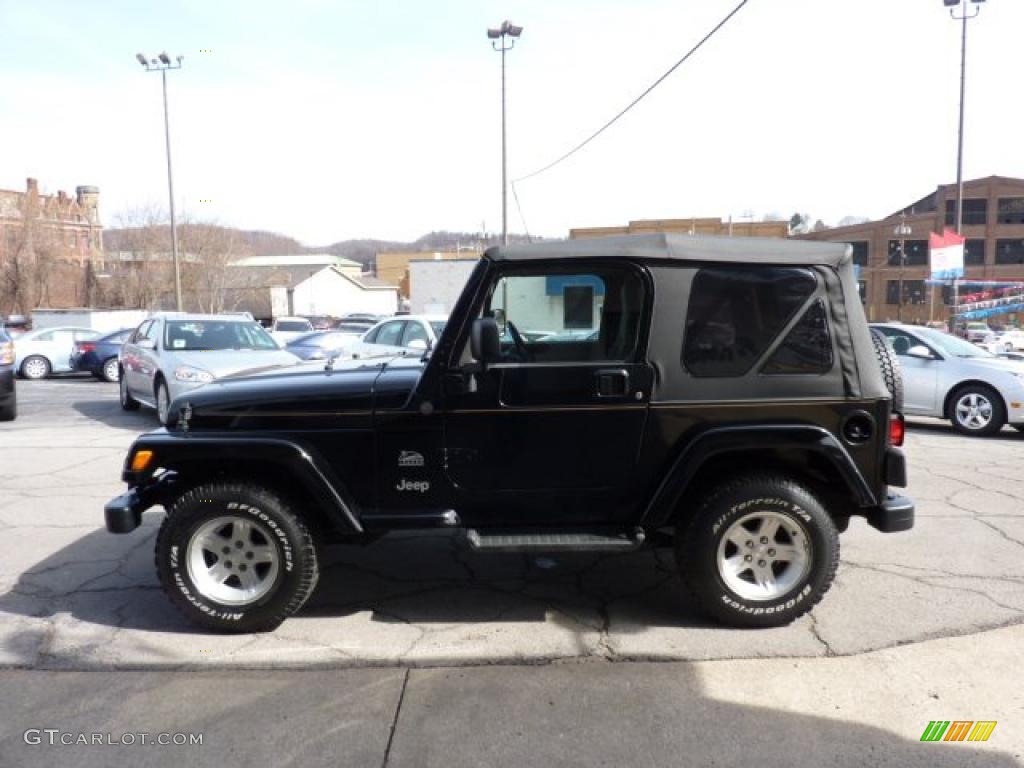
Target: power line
{"points": [[526, 229], [638, 99]]}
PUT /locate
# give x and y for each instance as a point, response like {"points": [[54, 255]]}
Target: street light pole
{"points": [[510, 31], [963, 19], [161, 64], [902, 229]]}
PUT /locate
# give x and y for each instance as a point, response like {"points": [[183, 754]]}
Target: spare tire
{"points": [[890, 365]]}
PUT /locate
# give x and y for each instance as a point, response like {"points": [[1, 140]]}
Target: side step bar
{"points": [[555, 541]]}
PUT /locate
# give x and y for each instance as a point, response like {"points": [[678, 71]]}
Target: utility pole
{"points": [[511, 32], [161, 64]]}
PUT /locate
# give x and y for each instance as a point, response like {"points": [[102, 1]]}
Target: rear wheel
{"points": [[977, 410], [235, 558], [759, 552], [35, 367]]}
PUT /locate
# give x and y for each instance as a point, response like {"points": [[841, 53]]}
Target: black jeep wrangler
{"points": [[721, 394]]}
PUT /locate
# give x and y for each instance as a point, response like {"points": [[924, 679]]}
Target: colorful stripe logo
{"points": [[958, 730]]}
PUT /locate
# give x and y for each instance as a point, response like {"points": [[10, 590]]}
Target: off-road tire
{"points": [[891, 371], [698, 540], [296, 577], [995, 423], [128, 403]]}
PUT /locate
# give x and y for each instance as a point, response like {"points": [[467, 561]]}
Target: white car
{"points": [[287, 328], [404, 335], [1007, 341], [48, 350], [949, 378]]}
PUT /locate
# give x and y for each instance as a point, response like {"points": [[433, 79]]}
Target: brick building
{"points": [[49, 246], [691, 226], [993, 223], [392, 267]]}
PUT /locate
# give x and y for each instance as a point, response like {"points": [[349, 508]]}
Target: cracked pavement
{"points": [[73, 596]]}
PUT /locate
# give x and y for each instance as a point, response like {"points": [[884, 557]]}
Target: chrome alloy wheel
{"points": [[233, 560], [35, 368], [763, 555], [973, 411], [163, 403], [110, 370]]}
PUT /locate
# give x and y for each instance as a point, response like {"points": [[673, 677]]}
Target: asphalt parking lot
{"points": [[73, 596], [422, 653]]}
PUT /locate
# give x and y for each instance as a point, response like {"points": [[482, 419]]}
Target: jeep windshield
{"points": [[214, 335]]}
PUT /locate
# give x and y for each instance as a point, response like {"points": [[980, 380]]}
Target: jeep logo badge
{"points": [[421, 486]]}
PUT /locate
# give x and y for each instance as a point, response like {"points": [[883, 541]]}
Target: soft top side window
{"points": [[735, 313], [561, 315]]}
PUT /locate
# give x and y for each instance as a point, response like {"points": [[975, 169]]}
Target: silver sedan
{"points": [[949, 378], [172, 353]]}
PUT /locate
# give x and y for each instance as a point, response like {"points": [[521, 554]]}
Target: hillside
{"points": [[260, 243]]}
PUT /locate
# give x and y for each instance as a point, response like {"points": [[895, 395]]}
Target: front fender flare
{"points": [[722, 440], [173, 453]]}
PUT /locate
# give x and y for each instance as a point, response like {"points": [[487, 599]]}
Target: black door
{"points": [[550, 435]]}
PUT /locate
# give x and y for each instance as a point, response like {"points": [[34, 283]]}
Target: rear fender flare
{"points": [[723, 440]]}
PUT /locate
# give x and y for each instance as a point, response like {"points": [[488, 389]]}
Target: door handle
{"points": [[612, 382]]}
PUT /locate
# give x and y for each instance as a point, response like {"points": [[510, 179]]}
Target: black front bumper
{"points": [[894, 514], [124, 514]]}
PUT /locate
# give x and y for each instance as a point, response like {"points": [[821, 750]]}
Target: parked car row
{"points": [[8, 392], [947, 377]]}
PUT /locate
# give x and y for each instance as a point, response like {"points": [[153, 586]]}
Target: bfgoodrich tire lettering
{"points": [[794, 521], [295, 573]]}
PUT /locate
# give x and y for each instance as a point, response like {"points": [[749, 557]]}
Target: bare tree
{"points": [[34, 251]]}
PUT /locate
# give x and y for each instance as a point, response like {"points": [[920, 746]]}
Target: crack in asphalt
{"points": [[925, 582]]}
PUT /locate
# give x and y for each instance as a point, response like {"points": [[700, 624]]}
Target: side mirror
{"points": [[483, 341], [146, 344], [921, 352], [418, 344]]}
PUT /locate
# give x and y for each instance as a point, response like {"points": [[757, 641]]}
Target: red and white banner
{"points": [[947, 255]]}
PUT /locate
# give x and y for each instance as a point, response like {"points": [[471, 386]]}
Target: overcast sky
{"points": [[327, 119]]}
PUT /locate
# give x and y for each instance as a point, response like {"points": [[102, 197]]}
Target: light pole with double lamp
{"points": [[161, 64], [963, 17], [507, 32], [902, 230]]}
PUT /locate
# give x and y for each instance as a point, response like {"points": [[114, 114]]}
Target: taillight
{"points": [[85, 346], [6, 353], [896, 429]]}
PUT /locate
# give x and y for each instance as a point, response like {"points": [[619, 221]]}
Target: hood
{"points": [[227, 362], [304, 395]]}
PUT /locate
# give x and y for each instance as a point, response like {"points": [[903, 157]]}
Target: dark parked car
{"points": [[321, 345], [8, 392], [724, 396], [99, 357]]}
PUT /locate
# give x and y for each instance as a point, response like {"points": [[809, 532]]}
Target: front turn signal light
{"points": [[6, 353], [896, 429], [141, 460]]}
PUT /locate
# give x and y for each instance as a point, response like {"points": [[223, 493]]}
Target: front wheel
{"points": [[235, 558], [759, 552], [36, 367], [977, 410], [128, 403], [163, 403], [110, 370]]}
